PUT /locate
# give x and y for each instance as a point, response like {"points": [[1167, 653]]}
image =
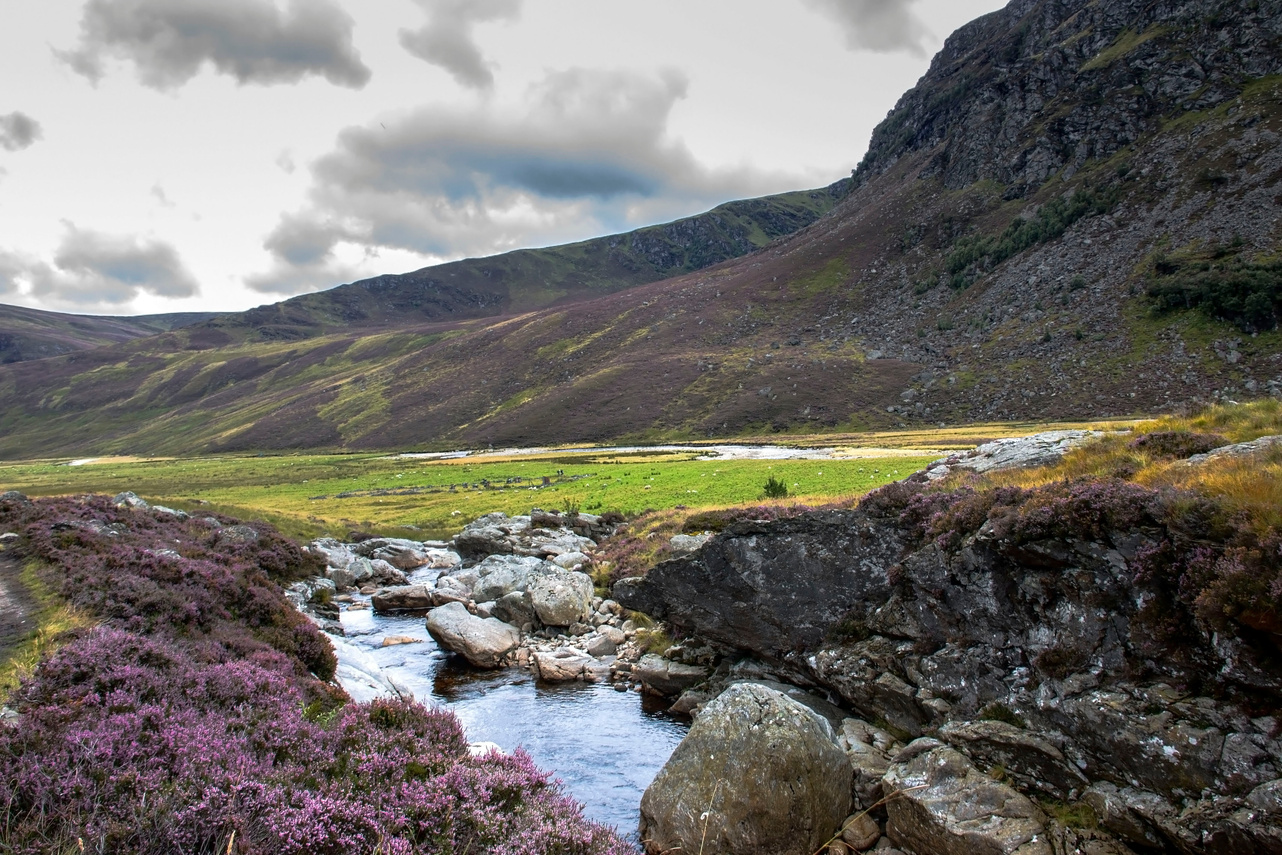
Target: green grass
{"points": [[52, 617], [307, 495]]}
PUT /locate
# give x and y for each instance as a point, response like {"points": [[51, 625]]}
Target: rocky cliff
{"points": [[1087, 642]]}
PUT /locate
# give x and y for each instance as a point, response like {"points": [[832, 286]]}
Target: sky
{"points": [[214, 155]]}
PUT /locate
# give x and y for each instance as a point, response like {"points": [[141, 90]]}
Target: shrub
{"points": [[194, 715], [775, 489], [1176, 445]]}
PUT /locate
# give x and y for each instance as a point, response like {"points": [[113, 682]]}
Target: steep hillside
{"points": [[1072, 215], [33, 334], [530, 279]]}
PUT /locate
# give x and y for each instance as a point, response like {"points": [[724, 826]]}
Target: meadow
{"points": [[308, 495]]}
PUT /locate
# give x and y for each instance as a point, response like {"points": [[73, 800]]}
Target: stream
{"points": [[604, 745]]}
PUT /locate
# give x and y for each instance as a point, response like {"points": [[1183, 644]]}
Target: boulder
{"points": [[170, 512], [482, 641], [571, 560], [500, 575], [516, 608], [561, 665], [560, 597], [406, 598], [938, 802], [667, 677], [758, 772], [600, 645], [1042, 449], [613, 633], [14, 497], [238, 534], [131, 500], [401, 554], [341, 577]]}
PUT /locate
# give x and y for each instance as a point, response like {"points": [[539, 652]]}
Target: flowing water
{"points": [[604, 745]]}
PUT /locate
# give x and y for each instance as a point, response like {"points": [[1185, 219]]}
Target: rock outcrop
{"points": [[1031, 655], [757, 773]]}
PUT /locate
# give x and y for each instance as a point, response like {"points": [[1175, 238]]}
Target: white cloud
{"points": [[446, 39], [251, 40], [590, 153], [18, 131], [92, 269], [883, 26]]}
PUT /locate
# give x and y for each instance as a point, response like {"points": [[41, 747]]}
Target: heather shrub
{"points": [[197, 718], [1176, 445]]}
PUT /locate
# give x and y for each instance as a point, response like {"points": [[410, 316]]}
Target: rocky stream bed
{"points": [[982, 700]]}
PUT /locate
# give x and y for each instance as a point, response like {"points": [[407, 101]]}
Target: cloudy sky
{"points": [[174, 155]]}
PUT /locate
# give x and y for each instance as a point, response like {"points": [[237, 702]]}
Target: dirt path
{"points": [[16, 605]]}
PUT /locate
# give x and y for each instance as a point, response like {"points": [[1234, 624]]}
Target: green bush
{"points": [[775, 489]]}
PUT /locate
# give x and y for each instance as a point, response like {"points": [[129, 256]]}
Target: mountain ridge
{"points": [[913, 301]]}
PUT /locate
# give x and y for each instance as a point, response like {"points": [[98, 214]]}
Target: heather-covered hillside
{"points": [[195, 715]]}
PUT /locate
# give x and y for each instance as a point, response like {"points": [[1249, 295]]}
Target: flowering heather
{"points": [[193, 720], [1202, 567]]}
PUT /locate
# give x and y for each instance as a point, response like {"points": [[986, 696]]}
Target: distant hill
{"points": [[528, 279], [34, 334], [1073, 215]]}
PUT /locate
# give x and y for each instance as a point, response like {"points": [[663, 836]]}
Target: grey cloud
{"points": [[591, 155], [446, 39], [91, 269], [884, 26], [250, 40], [18, 131]]}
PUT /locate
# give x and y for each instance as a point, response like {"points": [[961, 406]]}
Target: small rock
{"points": [[601, 646], [860, 831], [131, 500], [688, 542], [397, 640], [561, 665]]}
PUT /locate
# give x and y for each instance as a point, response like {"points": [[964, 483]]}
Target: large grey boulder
{"points": [[560, 597], [500, 575], [939, 803], [757, 773], [482, 641]]}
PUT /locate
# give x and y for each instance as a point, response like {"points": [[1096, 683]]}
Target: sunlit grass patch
{"points": [[51, 620]]}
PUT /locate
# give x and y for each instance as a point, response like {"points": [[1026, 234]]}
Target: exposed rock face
{"points": [[943, 805], [1045, 635], [482, 641], [1042, 449], [757, 773], [732, 591]]}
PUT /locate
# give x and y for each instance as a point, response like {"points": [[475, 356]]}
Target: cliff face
{"points": [[1094, 640], [1043, 87]]}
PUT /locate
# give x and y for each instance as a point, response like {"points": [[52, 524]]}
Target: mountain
{"points": [[34, 334], [529, 279], [1072, 215]]}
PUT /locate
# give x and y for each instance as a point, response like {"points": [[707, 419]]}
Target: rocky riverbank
{"points": [[1004, 672], [504, 592]]}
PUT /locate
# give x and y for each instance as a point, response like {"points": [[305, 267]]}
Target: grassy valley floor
{"points": [[310, 495]]}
